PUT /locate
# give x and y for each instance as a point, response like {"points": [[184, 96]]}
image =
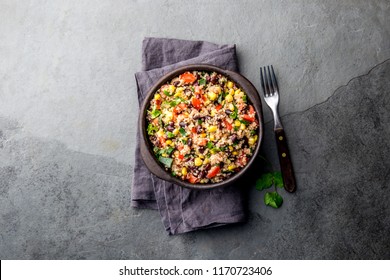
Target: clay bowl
{"points": [[146, 147]]}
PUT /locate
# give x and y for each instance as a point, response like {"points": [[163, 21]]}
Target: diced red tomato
{"points": [[193, 130], [155, 121], [187, 77], [181, 157], [242, 160], [202, 142], [179, 108], [213, 172], [158, 104], [228, 125], [248, 118], [251, 110], [162, 140], [196, 103], [192, 179], [218, 107]]}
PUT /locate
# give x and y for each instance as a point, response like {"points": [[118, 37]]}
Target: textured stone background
{"points": [[68, 118]]}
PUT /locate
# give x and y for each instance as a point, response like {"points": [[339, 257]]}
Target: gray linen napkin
{"points": [[182, 210]]}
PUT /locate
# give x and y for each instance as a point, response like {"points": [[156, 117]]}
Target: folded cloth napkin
{"points": [[182, 210]]}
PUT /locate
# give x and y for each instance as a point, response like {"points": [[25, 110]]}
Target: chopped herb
{"points": [[184, 141], [273, 199], [193, 89], [245, 122], [170, 135], [202, 82], [210, 145], [167, 93], [166, 161], [235, 113], [174, 174], [244, 98], [222, 149], [155, 113], [253, 132], [200, 121], [236, 128], [221, 97], [182, 131], [152, 129]]}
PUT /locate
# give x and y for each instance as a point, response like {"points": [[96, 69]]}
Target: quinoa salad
{"points": [[202, 127]]}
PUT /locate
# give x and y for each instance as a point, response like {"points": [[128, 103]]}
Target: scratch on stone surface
{"points": [[334, 92]]}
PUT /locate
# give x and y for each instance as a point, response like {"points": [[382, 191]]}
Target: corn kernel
{"points": [[164, 155], [235, 153], [255, 137], [251, 141], [201, 156], [243, 126], [168, 142], [172, 88], [231, 91], [212, 96], [184, 171], [229, 98], [198, 162], [157, 96], [231, 167], [160, 132], [231, 148], [212, 113], [186, 114], [212, 152], [176, 153], [203, 135], [237, 91], [230, 84], [206, 161], [212, 137], [207, 102], [237, 123], [212, 128], [231, 107], [175, 131]]}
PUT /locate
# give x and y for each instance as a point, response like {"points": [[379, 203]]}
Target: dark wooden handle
{"points": [[285, 161]]}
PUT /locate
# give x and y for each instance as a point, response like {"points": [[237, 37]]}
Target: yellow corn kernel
{"points": [[251, 140], [242, 126], [237, 91], [231, 107], [229, 98], [231, 167], [231, 148], [212, 137], [203, 135], [201, 156], [229, 84], [164, 155], [168, 142], [207, 102], [235, 153], [212, 96], [175, 131], [160, 132], [231, 91], [237, 123], [206, 161], [179, 90], [172, 88], [212, 152], [157, 96], [186, 114], [176, 153], [212, 128], [198, 162], [255, 137], [178, 94], [184, 171]]}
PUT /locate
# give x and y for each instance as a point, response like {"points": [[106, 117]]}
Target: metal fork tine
{"points": [[274, 81], [265, 90], [271, 86], [268, 81]]}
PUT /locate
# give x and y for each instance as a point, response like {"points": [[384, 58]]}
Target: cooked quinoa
{"points": [[202, 127]]}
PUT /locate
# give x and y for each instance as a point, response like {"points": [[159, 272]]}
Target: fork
{"points": [[271, 97]]}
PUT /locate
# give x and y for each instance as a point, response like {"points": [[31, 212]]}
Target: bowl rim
{"points": [[241, 81]]}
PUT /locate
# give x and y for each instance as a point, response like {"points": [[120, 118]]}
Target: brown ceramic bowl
{"points": [[146, 147]]}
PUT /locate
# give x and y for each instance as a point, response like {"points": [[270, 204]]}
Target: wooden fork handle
{"points": [[285, 161]]}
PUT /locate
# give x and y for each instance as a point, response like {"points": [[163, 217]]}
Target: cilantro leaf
{"points": [[155, 113], [278, 180], [273, 199], [170, 135], [210, 145], [182, 131], [265, 181], [166, 161], [152, 129], [202, 82], [167, 93]]}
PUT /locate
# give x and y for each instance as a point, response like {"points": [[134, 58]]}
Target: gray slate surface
{"points": [[67, 128]]}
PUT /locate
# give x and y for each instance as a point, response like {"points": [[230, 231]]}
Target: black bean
{"points": [[221, 165], [202, 174], [213, 79], [176, 83], [189, 142], [170, 128], [233, 137], [196, 117], [182, 124], [171, 124], [207, 167], [227, 111], [153, 138], [201, 149]]}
